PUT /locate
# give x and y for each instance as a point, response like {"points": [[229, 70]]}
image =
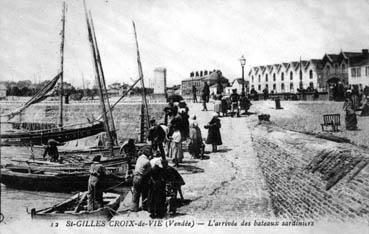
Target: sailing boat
{"points": [[62, 133]]}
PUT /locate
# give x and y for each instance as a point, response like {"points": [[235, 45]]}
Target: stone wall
{"points": [[126, 116], [298, 193]]}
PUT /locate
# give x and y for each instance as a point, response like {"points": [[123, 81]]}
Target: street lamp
{"points": [[243, 63]]}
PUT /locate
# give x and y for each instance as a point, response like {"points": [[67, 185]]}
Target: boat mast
{"points": [[98, 79], [102, 76], [140, 73], [61, 90]]}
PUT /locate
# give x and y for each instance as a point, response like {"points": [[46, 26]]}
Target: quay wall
{"points": [[126, 115], [299, 194]]}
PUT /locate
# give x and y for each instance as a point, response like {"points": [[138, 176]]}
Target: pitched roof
{"points": [[359, 60]]}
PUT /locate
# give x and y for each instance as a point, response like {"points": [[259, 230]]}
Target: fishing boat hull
{"points": [[66, 209], [21, 178], [42, 137]]}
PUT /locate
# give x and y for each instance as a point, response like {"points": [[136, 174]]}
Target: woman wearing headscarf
{"points": [[196, 143], [214, 138]]}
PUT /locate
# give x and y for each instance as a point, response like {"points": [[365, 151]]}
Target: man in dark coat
{"points": [[194, 90], [205, 96], [95, 186], [156, 136], [214, 138], [52, 150], [234, 102], [157, 193]]}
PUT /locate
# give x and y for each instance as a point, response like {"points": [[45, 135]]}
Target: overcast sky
{"points": [[182, 36]]}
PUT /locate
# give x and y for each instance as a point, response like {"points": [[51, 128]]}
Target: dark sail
{"points": [[38, 97]]}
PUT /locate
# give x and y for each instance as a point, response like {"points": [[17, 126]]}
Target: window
{"points": [[274, 86], [311, 85], [282, 76], [355, 72], [266, 86], [282, 87], [266, 77], [252, 79], [291, 76], [259, 87], [367, 70], [343, 66], [328, 69], [259, 79], [274, 77], [311, 74], [291, 87]]}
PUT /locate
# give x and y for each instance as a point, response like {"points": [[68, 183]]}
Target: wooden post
{"points": [[62, 67]]}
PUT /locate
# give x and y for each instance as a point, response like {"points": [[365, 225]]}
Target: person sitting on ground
{"points": [[52, 150], [140, 178], [214, 138], [95, 185]]}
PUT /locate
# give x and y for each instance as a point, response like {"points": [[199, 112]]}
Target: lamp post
{"points": [[243, 63]]}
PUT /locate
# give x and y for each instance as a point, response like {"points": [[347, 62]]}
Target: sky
{"points": [[182, 36]]}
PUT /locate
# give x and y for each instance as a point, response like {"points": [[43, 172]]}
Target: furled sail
{"points": [[38, 97]]}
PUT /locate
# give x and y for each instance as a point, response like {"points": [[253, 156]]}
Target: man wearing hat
{"points": [[52, 150], [156, 137], [234, 100], [95, 187], [140, 178]]}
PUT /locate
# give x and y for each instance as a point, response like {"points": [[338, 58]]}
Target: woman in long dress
{"points": [[349, 108], [214, 138], [196, 143]]}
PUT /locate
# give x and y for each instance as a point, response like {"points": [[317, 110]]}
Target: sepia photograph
{"points": [[188, 116]]}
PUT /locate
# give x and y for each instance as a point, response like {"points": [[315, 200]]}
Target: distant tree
{"points": [[14, 91]]}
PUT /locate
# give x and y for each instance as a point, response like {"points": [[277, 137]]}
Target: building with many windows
{"points": [[198, 80], [286, 77], [358, 70]]}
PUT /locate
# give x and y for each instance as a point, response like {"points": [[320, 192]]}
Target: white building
{"points": [[285, 77], [359, 70], [159, 83]]}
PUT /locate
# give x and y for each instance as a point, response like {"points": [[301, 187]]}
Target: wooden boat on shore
{"points": [[41, 137], [56, 181], [75, 208]]}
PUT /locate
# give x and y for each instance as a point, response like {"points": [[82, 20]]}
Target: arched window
{"points": [[274, 87], [311, 74], [266, 77], [291, 75], [252, 79], [311, 85], [282, 87], [343, 66], [259, 78], [282, 76], [291, 87], [273, 76]]}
